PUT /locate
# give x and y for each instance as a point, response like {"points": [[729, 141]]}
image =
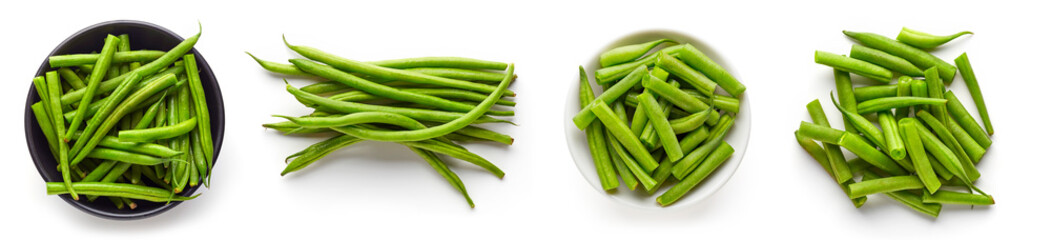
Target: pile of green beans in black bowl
{"points": [[136, 35]]}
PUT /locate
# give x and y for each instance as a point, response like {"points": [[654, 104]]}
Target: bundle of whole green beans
{"points": [[117, 117], [926, 144], [659, 116], [427, 104]]}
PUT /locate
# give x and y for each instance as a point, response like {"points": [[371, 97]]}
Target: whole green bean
{"points": [[686, 73], [101, 65], [382, 90], [317, 151], [151, 149], [854, 66], [108, 107], [354, 118], [72, 60], [446, 128], [714, 160], [696, 59], [279, 68], [440, 62], [461, 74], [325, 87], [150, 114], [920, 58], [885, 60], [914, 147], [389, 73], [888, 103], [359, 96], [456, 151], [126, 157], [312, 100], [949, 197], [118, 190], [967, 72], [108, 86], [838, 167], [436, 163], [925, 40], [960, 114]]}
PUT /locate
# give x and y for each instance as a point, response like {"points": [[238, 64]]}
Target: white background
{"points": [[377, 190]]}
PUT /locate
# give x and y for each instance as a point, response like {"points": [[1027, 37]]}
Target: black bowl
{"points": [[143, 35]]}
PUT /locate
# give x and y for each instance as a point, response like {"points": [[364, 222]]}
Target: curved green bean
{"points": [[446, 128], [315, 101], [126, 157], [436, 163], [883, 59], [374, 70], [920, 58], [456, 151], [863, 125], [153, 134], [279, 68], [108, 86], [125, 190], [628, 53], [852, 65], [691, 162], [440, 62], [926, 40], [355, 118], [101, 65], [691, 122]]}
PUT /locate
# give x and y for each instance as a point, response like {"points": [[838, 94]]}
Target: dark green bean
{"points": [[118, 190], [126, 157], [456, 151], [118, 113], [461, 74], [101, 65], [53, 90], [312, 100], [110, 106]]}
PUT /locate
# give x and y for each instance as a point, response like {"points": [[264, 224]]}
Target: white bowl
{"points": [[578, 147]]}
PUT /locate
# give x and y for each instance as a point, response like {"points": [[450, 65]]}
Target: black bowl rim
{"points": [[217, 111]]}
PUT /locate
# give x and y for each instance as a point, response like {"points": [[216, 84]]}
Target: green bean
{"points": [[72, 60], [586, 115], [914, 147], [942, 153], [661, 125], [46, 127], [661, 174], [456, 152], [200, 111], [834, 154], [312, 100], [461, 74], [949, 197], [317, 151], [692, 161], [151, 149], [359, 96], [862, 94], [920, 58], [390, 73], [110, 106], [353, 118], [696, 59], [904, 85], [442, 62], [382, 90], [325, 87], [960, 114], [872, 133], [714, 160], [446, 128], [893, 137], [153, 134], [71, 77], [935, 89], [947, 137], [643, 175], [883, 185], [279, 68], [845, 91], [675, 95], [612, 73], [40, 84], [649, 133], [623, 134], [622, 169], [855, 66], [436, 163], [183, 168], [628, 53], [853, 143], [888, 103], [967, 72], [686, 73], [53, 89], [925, 40], [108, 86], [126, 157], [150, 114], [820, 133], [486, 134], [118, 190], [919, 89], [118, 113], [691, 122], [101, 65], [821, 157], [973, 149], [885, 60], [909, 199]]}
